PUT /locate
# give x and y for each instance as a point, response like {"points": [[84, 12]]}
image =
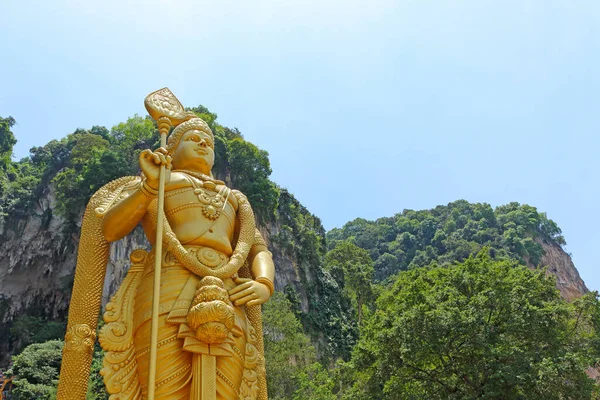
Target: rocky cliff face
{"points": [[36, 262], [560, 265]]}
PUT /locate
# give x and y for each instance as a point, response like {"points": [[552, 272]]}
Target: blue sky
{"points": [[366, 107]]}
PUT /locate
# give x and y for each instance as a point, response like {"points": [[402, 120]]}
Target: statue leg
{"points": [[173, 365], [230, 371]]}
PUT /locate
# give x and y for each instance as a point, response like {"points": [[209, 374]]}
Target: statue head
{"points": [[192, 146]]}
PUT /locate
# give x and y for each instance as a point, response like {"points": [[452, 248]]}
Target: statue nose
{"points": [[202, 143]]}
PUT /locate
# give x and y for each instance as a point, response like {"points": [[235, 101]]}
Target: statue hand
{"points": [[249, 292], [150, 163]]}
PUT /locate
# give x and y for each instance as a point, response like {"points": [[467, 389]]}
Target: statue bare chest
{"points": [[199, 216]]}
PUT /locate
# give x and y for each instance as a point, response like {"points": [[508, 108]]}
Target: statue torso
{"points": [[201, 213]]}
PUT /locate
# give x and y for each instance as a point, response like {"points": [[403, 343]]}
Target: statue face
{"points": [[195, 152]]}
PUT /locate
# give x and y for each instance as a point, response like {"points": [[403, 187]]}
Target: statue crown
{"points": [[193, 123]]}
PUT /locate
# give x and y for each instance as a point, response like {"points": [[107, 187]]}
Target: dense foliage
{"points": [[301, 237], [7, 141], [28, 329], [36, 371], [352, 268], [480, 329], [288, 350], [450, 233]]}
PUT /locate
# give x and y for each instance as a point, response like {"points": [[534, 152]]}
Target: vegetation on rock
{"points": [[451, 233]]}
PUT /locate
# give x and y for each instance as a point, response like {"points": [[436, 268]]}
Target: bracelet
{"points": [[267, 282], [147, 190]]}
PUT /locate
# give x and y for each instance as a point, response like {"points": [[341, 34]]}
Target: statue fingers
{"points": [[239, 280], [162, 150], [241, 286], [145, 154], [246, 299], [159, 158], [244, 293], [255, 302]]}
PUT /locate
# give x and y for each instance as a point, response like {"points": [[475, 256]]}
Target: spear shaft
{"points": [[164, 123]]}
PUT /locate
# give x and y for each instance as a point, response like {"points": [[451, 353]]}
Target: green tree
{"points": [[315, 383], [7, 141], [287, 348], [249, 171], [36, 371], [480, 329], [133, 136], [352, 268]]}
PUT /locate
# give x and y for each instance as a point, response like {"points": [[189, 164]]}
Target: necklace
{"points": [[213, 204]]}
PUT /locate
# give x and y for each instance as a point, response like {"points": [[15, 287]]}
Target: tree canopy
{"points": [[36, 370], [451, 233], [352, 268], [479, 329]]}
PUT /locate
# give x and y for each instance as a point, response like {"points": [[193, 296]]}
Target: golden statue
{"points": [[186, 321]]}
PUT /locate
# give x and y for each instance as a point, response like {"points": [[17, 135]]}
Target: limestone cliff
{"points": [[560, 265]]}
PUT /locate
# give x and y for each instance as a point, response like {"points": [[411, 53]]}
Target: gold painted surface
{"points": [[215, 273]]}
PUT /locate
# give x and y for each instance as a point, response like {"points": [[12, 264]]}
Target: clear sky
{"points": [[366, 107]]}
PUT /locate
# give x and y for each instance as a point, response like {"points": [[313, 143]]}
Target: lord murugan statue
{"points": [[186, 321]]}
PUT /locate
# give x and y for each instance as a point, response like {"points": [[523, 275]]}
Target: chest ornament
{"points": [[212, 203]]}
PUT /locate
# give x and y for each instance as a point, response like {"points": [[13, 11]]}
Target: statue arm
{"points": [[262, 262], [260, 287], [124, 216], [263, 266]]}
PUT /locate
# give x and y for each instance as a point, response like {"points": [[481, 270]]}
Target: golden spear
{"points": [[167, 111]]}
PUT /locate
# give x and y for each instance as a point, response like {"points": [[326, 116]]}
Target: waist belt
{"points": [[206, 255]]}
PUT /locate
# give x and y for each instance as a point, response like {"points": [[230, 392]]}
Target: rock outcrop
{"points": [[560, 264]]}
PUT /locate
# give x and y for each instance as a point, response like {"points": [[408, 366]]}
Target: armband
{"points": [[147, 191], [267, 282]]}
